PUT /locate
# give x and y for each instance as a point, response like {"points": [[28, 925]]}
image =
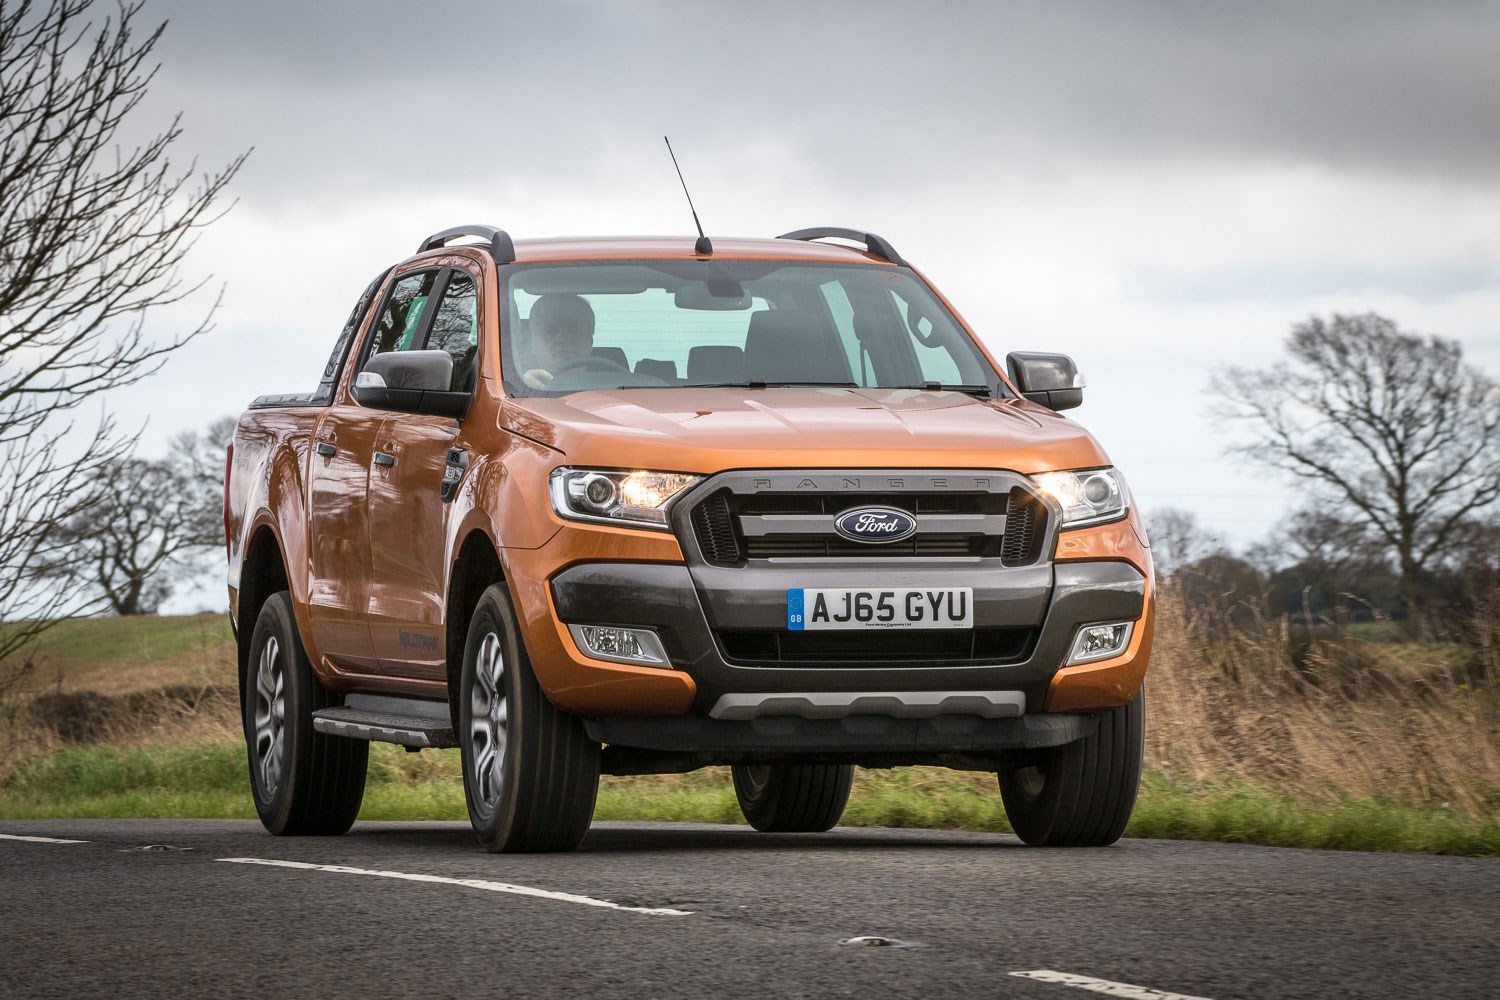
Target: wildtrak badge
{"points": [[875, 524]]}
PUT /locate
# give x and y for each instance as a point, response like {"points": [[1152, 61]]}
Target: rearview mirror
{"points": [[712, 296], [412, 382], [1049, 379]]}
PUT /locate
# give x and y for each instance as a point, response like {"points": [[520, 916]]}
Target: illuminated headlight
{"points": [[1088, 496], [600, 495], [621, 645], [1099, 642]]}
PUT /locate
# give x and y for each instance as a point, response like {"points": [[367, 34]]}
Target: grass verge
{"points": [[207, 779]]}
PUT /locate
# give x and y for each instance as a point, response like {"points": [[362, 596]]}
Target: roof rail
{"points": [[874, 244], [502, 250]]}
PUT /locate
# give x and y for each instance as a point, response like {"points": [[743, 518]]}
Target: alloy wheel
{"points": [[270, 716], [488, 721]]}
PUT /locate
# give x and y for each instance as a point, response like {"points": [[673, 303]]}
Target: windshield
{"points": [[612, 325]]}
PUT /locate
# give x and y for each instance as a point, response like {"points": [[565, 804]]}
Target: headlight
{"points": [[602, 495], [1087, 496]]}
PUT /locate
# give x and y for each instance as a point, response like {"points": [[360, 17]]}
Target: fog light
{"points": [[621, 645], [1100, 642]]}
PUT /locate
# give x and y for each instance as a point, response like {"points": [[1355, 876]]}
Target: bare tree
{"points": [[203, 452], [93, 233], [1177, 539], [200, 455], [1390, 430], [137, 540]]}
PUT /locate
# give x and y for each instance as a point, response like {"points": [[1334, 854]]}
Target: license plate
{"points": [[839, 608]]}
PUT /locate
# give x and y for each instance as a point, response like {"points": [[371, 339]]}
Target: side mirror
{"points": [[1049, 379], [412, 382]]}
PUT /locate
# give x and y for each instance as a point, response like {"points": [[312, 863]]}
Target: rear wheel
{"points": [[1080, 794], [530, 771], [793, 798], [304, 782]]}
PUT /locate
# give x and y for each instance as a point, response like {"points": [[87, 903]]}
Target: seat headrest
{"points": [[788, 345], [716, 363], [666, 370], [615, 354]]}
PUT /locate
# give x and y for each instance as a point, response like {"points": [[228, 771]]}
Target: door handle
{"points": [[453, 474], [385, 459], [327, 449]]}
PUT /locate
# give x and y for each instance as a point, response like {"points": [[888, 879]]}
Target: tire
{"points": [[793, 798], [1080, 794], [304, 783], [530, 771]]}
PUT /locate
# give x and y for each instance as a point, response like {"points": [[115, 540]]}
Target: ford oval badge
{"points": [[875, 524]]}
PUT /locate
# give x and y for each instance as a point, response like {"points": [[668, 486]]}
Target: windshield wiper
{"points": [[982, 391]]}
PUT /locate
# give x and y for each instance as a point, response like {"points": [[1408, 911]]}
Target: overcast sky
{"points": [[1155, 188]]}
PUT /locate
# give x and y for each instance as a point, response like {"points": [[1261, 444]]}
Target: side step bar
{"points": [[411, 722]]}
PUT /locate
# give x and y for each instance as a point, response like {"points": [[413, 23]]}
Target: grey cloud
{"points": [[352, 92], [1298, 279]]}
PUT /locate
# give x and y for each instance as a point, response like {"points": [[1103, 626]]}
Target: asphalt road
{"points": [[424, 913]]}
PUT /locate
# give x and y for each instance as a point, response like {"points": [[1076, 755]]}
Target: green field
{"points": [[137, 718], [208, 780], [112, 655]]}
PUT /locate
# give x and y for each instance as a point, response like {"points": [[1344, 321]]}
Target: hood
{"points": [[708, 430]]}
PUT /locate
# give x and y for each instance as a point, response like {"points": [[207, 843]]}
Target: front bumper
{"points": [[692, 616]]}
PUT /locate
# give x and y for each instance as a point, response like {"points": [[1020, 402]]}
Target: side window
{"points": [[399, 321], [455, 327]]}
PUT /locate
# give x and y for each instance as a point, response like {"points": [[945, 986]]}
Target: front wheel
{"points": [[1080, 794], [530, 771], [792, 798], [304, 782]]}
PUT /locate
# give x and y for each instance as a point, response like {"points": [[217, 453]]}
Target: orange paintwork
{"points": [[1117, 541], [371, 597], [1108, 683], [676, 247], [711, 430]]}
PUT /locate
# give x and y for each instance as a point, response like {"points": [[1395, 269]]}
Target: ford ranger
{"points": [[645, 505]]}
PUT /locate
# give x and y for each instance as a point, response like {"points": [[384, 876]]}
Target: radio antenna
{"points": [[703, 246]]}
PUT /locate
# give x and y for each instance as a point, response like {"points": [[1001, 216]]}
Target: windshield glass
{"points": [[611, 325]]}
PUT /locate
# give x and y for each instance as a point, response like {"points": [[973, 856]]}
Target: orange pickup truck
{"points": [[645, 505]]}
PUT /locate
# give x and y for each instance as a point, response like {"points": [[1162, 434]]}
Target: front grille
{"points": [[731, 527], [878, 647], [1023, 535], [715, 530]]}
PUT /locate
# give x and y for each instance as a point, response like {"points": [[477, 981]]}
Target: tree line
{"points": [[1393, 436]]}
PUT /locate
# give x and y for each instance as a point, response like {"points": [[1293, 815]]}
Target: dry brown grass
{"points": [[1327, 716], [119, 681], [1235, 696]]}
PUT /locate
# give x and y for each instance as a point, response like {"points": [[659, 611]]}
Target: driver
{"points": [[562, 330]]}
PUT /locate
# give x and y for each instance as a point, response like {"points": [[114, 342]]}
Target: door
{"points": [[407, 511], [408, 549], [339, 536], [344, 442]]}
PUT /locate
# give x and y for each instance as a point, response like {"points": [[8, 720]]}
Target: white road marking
{"points": [[1103, 986], [40, 840], [470, 883]]}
